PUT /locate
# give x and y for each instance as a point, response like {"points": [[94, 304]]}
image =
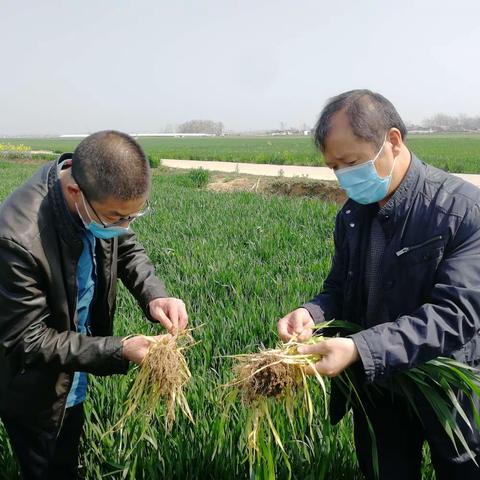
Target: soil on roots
{"points": [[266, 377]]}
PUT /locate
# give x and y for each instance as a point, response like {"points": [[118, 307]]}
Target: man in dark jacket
{"points": [[406, 268], [64, 237]]}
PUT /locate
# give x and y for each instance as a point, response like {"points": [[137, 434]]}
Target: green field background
{"points": [[458, 153]]}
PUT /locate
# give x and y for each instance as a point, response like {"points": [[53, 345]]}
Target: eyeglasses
{"points": [[122, 220]]}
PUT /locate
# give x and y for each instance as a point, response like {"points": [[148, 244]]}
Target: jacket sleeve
{"points": [[24, 321], [137, 272], [440, 327], [327, 305]]}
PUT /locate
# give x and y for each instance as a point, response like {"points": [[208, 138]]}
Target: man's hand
{"points": [[135, 348], [298, 323], [337, 354], [170, 312]]}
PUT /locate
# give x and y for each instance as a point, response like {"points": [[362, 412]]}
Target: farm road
{"points": [[314, 173]]}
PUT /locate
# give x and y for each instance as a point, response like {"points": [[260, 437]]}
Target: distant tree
{"points": [[201, 126], [440, 121], [460, 123], [469, 123]]}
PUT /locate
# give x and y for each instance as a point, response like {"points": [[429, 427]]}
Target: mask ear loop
{"points": [[83, 201], [85, 206], [377, 155], [394, 161], [375, 158], [393, 166], [80, 215]]}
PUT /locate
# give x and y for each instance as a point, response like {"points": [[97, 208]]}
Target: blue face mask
{"points": [[98, 230], [105, 232], [362, 182]]}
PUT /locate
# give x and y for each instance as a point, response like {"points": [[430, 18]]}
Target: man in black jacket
{"points": [[406, 268], [64, 236]]}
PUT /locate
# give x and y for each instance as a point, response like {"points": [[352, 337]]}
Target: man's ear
{"points": [[73, 190], [394, 137]]}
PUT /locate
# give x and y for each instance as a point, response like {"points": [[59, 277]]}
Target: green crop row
{"points": [[452, 152]]}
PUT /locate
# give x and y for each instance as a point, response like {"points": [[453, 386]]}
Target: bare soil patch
{"points": [[292, 187]]}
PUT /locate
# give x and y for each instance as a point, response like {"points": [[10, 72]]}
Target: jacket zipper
{"points": [[109, 285], [66, 397], [63, 414], [76, 325], [71, 383], [404, 250], [94, 256]]}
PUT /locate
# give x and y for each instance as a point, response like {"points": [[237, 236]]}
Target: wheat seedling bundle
{"points": [[278, 377], [161, 379]]}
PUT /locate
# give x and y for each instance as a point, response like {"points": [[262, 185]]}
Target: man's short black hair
{"points": [[111, 164], [370, 115]]}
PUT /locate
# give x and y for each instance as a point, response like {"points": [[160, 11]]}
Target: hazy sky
{"points": [[81, 66]]}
